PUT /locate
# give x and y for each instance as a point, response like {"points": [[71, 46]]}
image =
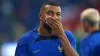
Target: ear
{"points": [[40, 16]]}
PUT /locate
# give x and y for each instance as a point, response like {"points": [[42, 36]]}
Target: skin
{"points": [[88, 28], [51, 16]]}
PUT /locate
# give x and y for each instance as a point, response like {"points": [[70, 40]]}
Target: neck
{"points": [[43, 31], [95, 28]]}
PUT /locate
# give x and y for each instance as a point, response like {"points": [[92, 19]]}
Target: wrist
{"points": [[60, 33], [62, 36]]}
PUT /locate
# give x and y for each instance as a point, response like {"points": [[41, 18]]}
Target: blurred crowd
{"points": [[20, 16]]}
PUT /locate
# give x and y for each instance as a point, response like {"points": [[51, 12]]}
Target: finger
{"points": [[52, 24], [56, 23], [57, 20], [49, 24], [53, 20]]}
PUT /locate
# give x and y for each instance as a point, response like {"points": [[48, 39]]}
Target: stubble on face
{"points": [[49, 12]]}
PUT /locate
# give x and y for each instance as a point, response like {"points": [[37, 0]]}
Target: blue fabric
{"points": [[90, 45], [33, 44]]}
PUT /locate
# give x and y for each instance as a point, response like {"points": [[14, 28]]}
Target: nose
{"points": [[55, 16]]}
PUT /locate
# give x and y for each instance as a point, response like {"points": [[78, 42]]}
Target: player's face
{"points": [[85, 25], [50, 12]]}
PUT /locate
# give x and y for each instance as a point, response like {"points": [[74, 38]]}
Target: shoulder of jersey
{"points": [[68, 33], [27, 38]]}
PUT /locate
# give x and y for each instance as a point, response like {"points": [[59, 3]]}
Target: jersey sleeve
{"points": [[71, 39], [21, 49]]}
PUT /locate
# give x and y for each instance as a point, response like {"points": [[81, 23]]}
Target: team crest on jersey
{"points": [[60, 48]]}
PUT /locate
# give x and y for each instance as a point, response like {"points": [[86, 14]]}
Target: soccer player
{"points": [[90, 44], [49, 39]]}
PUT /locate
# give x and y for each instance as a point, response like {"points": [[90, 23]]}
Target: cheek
{"points": [[42, 17], [84, 25], [58, 18]]}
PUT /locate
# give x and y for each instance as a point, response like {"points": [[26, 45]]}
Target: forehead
{"points": [[53, 8]]}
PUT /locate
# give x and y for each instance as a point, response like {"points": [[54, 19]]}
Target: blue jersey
{"points": [[90, 45], [34, 44]]}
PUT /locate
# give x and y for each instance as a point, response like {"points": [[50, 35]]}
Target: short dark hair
{"points": [[91, 22], [52, 3]]}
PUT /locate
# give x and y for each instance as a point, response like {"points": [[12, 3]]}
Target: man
{"points": [[90, 45], [49, 39]]}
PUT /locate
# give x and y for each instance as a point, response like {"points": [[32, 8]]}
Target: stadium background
{"points": [[20, 16]]}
